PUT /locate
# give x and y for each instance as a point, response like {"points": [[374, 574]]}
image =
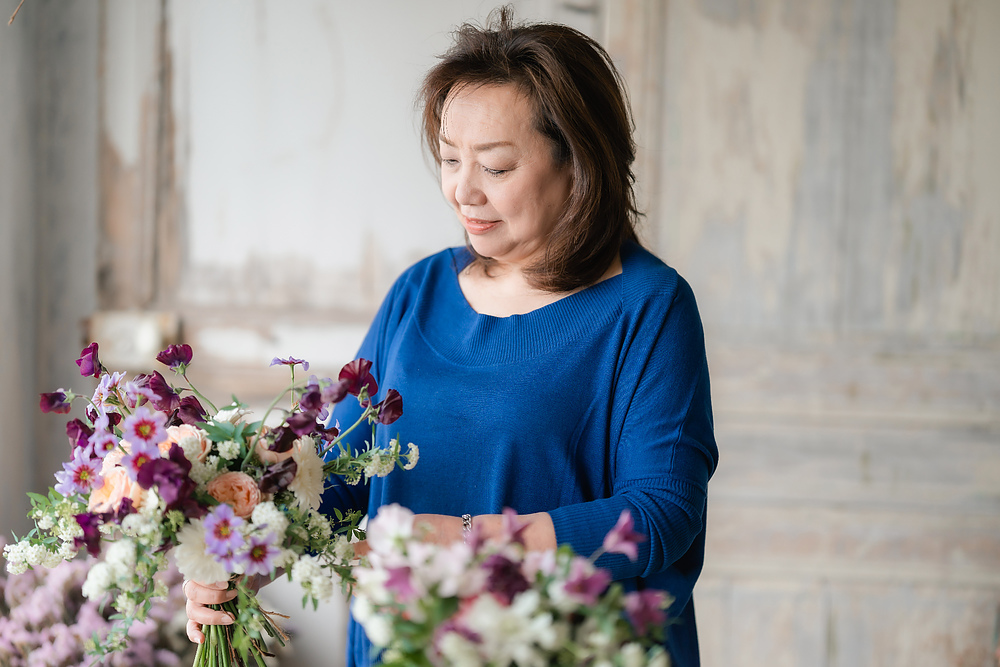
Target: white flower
{"points": [[190, 556], [659, 660], [412, 456], [459, 651], [203, 473], [511, 633], [125, 604], [379, 629], [230, 414], [151, 505], [308, 483], [229, 449], [320, 525], [343, 550], [45, 522], [121, 557], [633, 655], [392, 526], [268, 514], [99, 580]]}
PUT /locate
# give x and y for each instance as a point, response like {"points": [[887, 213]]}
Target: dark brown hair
{"points": [[581, 106]]}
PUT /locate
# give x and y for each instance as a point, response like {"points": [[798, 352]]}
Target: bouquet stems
{"points": [[241, 644]]}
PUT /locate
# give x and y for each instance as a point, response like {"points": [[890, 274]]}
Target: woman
{"points": [[552, 365]]}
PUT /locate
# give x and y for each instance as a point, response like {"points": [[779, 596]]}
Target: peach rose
{"points": [[117, 486], [238, 490], [194, 436]]}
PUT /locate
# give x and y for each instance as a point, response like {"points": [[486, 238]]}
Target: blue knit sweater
{"points": [[596, 403]]}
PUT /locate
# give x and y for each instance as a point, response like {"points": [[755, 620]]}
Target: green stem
{"points": [[197, 393], [253, 445], [336, 441]]}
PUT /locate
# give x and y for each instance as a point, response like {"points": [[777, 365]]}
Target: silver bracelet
{"points": [[466, 527]]}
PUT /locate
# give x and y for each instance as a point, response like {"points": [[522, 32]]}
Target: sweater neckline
{"points": [[457, 332]]}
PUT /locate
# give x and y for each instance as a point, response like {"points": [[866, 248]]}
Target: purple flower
{"points": [[282, 439], [91, 533], [80, 475], [88, 362], [585, 582], [400, 583], [160, 393], [335, 392], [78, 433], [622, 539], [141, 454], [513, 529], [645, 610], [190, 411], [259, 557], [391, 407], [106, 395], [172, 482], [278, 476], [312, 399], [175, 356], [222, 531], [102, 442], [290, 361], [357, 375], [146, 426], [54, 402], [302, 423], [505, 579]]}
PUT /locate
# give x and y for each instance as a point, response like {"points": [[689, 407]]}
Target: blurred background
{"points": [[247, 177]]}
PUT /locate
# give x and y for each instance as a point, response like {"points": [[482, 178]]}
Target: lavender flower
{"points": [[140, 454], [145, 426], [79, 475], [260, 555], [222, 530], [290, 361]]}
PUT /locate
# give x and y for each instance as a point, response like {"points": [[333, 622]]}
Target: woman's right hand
{"points": [[200, 595]]}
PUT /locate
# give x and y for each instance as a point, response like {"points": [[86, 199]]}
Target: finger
{"points": [[361, 548], [206, 616], [194, 633], [216, 593]]}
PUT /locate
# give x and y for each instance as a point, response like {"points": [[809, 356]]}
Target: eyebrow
{"points": [[478, 148]]}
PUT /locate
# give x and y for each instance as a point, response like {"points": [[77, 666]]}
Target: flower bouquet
{"points": [[156, 469], [479, 603]]}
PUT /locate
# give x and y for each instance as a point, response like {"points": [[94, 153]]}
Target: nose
{"points": [[468, 191]]}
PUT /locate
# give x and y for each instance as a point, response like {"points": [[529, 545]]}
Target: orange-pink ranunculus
{"points": [[177, 433], [236, 489]]}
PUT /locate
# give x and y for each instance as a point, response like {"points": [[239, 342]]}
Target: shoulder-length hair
{"points": [[581, 106]]}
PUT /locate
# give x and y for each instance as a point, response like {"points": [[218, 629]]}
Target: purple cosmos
{"points": [[175, 356], [222, 531], [622, 539], [91, 533], [146, 426], [80, 475], [78, 433], [505, 579], [290, 361], [106, 396], [102, 442], [173, 484], [54, 401], [585, 582], [391, 407], [190, 411], [260, 554], [278, 476], [88, 362], [645, 610], [357, 375], [141, 454]]}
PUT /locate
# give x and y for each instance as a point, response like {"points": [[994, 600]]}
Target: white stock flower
{"points": [[230, 414], [190, 556], [633, 655], [308, 483], [268, 514]]}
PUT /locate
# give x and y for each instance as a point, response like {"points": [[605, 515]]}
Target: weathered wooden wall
{"points": [[824, 173]]}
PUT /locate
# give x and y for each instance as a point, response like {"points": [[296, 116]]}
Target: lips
{"points": [[476, 226]]}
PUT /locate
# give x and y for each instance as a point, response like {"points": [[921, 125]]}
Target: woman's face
{"points": [[499, 173]]}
